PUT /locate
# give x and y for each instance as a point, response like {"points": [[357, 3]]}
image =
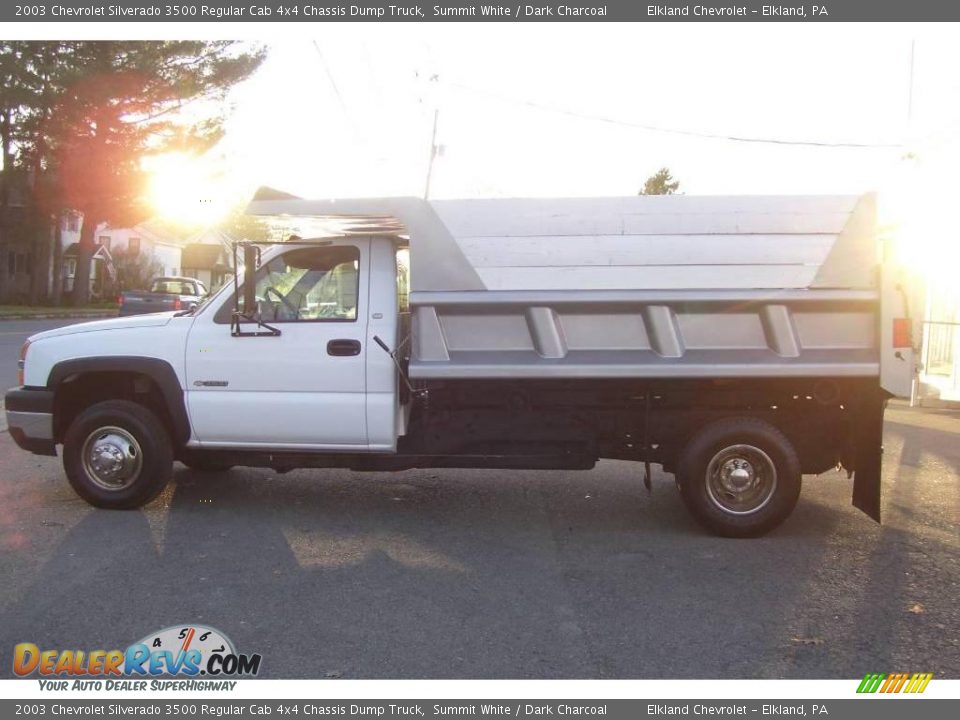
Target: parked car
{"points": [[739, 342], [165, 294]]}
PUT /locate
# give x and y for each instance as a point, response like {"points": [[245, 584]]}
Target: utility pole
{"points": [[433, 154], [913, 50], [432, 90]]}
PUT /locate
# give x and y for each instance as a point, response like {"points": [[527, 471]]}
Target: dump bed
{"points": [[638, 287]]}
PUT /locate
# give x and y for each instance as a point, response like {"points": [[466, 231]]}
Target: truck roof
{"points": [[673, 242]]}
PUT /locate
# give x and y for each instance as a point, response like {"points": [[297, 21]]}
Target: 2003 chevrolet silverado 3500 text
{"points": [[739, 342]]}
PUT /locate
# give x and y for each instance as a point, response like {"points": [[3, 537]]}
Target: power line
{"points": [[671, 131], [333, 84]]}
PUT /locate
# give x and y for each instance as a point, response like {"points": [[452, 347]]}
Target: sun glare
{"points": [[185, 189], [922, 209]]}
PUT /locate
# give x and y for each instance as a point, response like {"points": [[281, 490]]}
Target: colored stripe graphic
{"points": [[871, 683], [889, 682], [894, 682], [923, 679]]}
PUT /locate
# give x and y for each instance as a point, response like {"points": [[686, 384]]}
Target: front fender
{"points": [[160, 371]]}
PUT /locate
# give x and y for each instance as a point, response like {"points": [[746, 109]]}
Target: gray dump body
{"points": [[637, 287]]}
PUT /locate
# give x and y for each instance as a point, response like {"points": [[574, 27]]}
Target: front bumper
{"points": [[30, 419]]}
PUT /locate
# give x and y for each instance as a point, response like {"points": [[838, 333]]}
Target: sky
{"points": [[350, 110], [566, 109]]}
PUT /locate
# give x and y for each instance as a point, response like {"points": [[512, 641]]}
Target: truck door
{"points": [[304, 388]]}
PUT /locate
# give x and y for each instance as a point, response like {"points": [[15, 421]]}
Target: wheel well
{"points": [[817, 437], [78, 392]]}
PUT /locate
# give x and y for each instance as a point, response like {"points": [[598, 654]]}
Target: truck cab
{"points": [[319, 382]]}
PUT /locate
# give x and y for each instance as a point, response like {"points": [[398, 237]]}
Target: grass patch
{"points": [[55, 309]]}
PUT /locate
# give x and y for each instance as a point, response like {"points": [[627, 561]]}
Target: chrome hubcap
{"points": [[741, 479], [112, 458]]}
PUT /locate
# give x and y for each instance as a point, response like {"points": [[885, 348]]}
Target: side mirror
{"points": [[249, 273], [251, 308]]}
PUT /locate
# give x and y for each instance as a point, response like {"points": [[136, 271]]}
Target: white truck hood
{"points": [[134, 321]]}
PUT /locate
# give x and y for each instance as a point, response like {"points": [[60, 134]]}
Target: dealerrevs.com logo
{"points": [[180, 651]]}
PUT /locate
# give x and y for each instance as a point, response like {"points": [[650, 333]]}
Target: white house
{"points": [[164, 247], [208, 257]]}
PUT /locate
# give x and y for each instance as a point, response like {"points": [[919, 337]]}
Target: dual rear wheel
{"points": [[739, 477]]}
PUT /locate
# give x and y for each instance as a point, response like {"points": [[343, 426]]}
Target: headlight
{"points": [[21, 363]]}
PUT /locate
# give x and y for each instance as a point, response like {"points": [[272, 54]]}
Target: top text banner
{"points": [[465, 11]]}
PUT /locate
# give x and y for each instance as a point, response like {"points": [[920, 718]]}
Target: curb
{"points": [[61, 316], [938, 404]]}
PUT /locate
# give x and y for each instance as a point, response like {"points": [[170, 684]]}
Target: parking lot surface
{"points": [[496, 574]]}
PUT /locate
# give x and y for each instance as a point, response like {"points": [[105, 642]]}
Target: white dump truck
{"points": [[738, 342]]}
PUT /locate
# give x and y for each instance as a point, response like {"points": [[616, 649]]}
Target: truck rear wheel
{"points": [[739, 477], [117, 455]]}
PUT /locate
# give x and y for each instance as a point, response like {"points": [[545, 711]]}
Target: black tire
{"points": [[201, 462], [710, 476], [130, 432]]}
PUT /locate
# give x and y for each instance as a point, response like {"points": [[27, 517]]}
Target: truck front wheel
{"points": [[117, 455], [739, 477]]}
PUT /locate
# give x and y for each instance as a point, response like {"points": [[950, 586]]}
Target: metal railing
{"points": [[939, 347]]}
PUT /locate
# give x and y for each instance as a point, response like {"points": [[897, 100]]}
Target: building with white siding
{"points": [[147, 238]]}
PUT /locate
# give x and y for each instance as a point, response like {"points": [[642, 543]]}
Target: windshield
{"points": [[166, 286]]}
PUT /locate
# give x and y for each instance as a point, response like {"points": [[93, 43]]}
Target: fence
{"points": [[940, 368], [940, 342]]}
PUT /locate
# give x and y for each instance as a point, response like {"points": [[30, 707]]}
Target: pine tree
{"points": [[660, 183], [94, 110]]}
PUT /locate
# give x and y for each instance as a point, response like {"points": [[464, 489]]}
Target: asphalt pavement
{"points": [[495, 574]]}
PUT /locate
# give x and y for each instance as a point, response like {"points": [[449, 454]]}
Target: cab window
{"points": [[312, 284]]}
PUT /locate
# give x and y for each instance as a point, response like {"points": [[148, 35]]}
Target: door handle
{"points": [[343, 348]]}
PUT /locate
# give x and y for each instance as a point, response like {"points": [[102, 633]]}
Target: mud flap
{"points": [[868, 440]]}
